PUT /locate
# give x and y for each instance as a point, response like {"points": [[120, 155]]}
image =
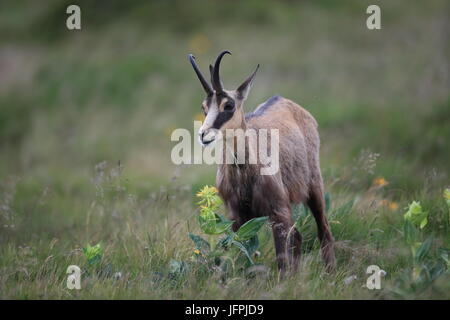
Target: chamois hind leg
{"points": [[287, 241], [317, 205]]}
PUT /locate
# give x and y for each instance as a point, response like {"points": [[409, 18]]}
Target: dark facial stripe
{"points": [[220, 97], [222, 117]]}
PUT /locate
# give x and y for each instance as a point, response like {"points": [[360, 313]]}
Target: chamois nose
{"points": [[201, 135], [206, 137]]}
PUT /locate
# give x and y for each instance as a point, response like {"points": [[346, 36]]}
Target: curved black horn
{"points": [[217, 84], [200, 76], [211, 71]]}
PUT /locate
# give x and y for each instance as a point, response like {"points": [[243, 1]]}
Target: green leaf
{"points": [[250, 228], [296, 211], [303, 217], [443, 253], [416, 215], [304, 211], [251, 245], [207, 224], [423, 223], [222, 227], [414, 247], [423, 250], [222, 218], [207, 213], [244, 250], [93, 253], [225, 242], [200, 243], [214, 225], [409, 232]]}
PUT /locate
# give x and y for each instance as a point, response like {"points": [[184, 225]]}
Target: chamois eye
{"points": [[229, 106]]}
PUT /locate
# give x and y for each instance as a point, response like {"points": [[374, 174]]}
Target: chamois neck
{"points": [[235, 157], [243, 123]]}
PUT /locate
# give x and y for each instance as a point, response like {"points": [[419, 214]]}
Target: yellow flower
{"points": [[207, 191], [201, 193], [380, 182], [196, 251], [393, 206]]}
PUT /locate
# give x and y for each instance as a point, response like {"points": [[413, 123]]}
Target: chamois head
{"points": [[222, 108]]}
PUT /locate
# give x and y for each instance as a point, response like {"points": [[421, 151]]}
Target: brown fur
{"points": [[248, 194]]}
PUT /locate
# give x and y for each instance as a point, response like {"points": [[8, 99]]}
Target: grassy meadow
{"points": [[85, 124]]}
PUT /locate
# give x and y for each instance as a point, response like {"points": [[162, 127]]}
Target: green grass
{"points": [[112, 92]]}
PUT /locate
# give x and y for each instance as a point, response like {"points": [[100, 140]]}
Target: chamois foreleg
{"points": [[287, 241]]}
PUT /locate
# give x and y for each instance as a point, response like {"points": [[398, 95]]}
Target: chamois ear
{"points": [[244, 88]]}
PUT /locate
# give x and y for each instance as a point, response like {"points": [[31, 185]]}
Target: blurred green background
{"points": [[115, 90]]}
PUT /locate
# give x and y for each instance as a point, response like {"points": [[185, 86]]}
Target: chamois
{"points": [[248, 194]]}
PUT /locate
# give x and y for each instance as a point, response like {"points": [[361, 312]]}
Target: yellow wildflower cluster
{"points": [[207, 192], [209, 203], [380, 182], [391, 205]]}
